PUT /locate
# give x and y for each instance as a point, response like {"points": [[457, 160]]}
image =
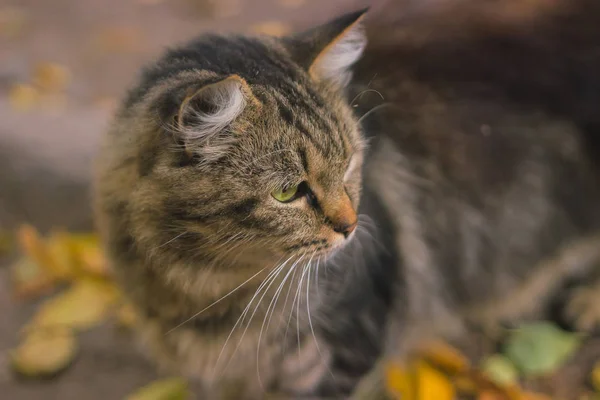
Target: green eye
{"points": [[285, 195]]}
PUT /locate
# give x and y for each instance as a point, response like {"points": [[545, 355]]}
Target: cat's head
{"points": [[254, 147]]}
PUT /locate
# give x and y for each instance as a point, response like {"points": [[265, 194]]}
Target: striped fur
{"points": [[478, 204]]}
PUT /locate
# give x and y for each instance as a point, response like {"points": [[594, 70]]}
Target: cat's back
{"points": [[477, 86]]}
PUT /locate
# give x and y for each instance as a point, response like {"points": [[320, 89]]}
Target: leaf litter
{"points": [[72, 270], [83, 294]]}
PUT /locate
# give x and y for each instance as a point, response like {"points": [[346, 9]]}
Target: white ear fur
{"points": [[334, 62], [226, 102], [204, 117]]}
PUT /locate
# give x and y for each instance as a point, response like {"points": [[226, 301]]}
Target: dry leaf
{"points": [[127, 316], [433, 385], [51, 77], [500, 370], [44, 352], [89, 256], [444, 356], [165, 389], [6, 242], [491, 395], [23, 97], [534, 396], [273, 28], [419, 381], [595, 377], [83, 305], [61, 258], [29, 280], [465, 385], [401, 381]]}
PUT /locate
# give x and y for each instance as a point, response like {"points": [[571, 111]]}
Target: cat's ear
{"points": [[205, 115], [328, 51]]}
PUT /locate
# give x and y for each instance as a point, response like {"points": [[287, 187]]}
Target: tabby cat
{"points": [[282, 210]]}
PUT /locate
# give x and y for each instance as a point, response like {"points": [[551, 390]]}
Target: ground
{"points": [[47, 147]]}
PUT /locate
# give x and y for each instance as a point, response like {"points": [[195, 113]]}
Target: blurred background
{"points": [[64, 64]]}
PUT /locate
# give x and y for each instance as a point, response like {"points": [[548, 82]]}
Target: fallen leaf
{"points": [[89, 256], [401, 381], [272, 28], [127, 316], [23, 97], [83, 305], [540, 348], [165, 389], [534, 396], [465, 385], [500, 370], [61, 259], [6, 242], [433, 385], [29, 280], [51, 77], [491, 395], [44, 352], [595, 376], [444, 356]]}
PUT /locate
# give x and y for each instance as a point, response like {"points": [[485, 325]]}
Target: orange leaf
{"points": [[401, 381], [433, 385], [444, 356]]}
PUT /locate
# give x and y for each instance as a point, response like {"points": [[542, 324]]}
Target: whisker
{"points": [[310, 321], [271, 308], [216, 302]]}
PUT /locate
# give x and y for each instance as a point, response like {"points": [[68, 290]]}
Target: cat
{"points": [[285, 212]]}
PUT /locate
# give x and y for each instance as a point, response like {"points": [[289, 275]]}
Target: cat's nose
{"points": [[341, 215], [345, 229]]}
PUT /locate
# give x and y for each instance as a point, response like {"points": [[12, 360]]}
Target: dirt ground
{"points": [[46, 151]]}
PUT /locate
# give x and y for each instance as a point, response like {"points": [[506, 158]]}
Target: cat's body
{"points": [[479, 192]]}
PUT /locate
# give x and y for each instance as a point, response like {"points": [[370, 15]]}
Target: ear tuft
{"points": [[334, 61], [207, 112]]}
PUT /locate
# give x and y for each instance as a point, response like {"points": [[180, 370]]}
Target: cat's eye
{"points": [[285, 195]]}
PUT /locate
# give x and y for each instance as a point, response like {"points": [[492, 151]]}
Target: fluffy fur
{"points": [[478, 194]]}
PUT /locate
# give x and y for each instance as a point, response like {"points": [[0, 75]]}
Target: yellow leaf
{"points": [[491, 395], [465, 385], [88, 255], [44, 352], [51, 77], [61, 258], [83, 305], [444, 356], [29, 279], [165, 389], [6, 242], [127, 316], [273, 28], [401, 381], [23, 97], [534, 396], [433, 385], [596, 376]]}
